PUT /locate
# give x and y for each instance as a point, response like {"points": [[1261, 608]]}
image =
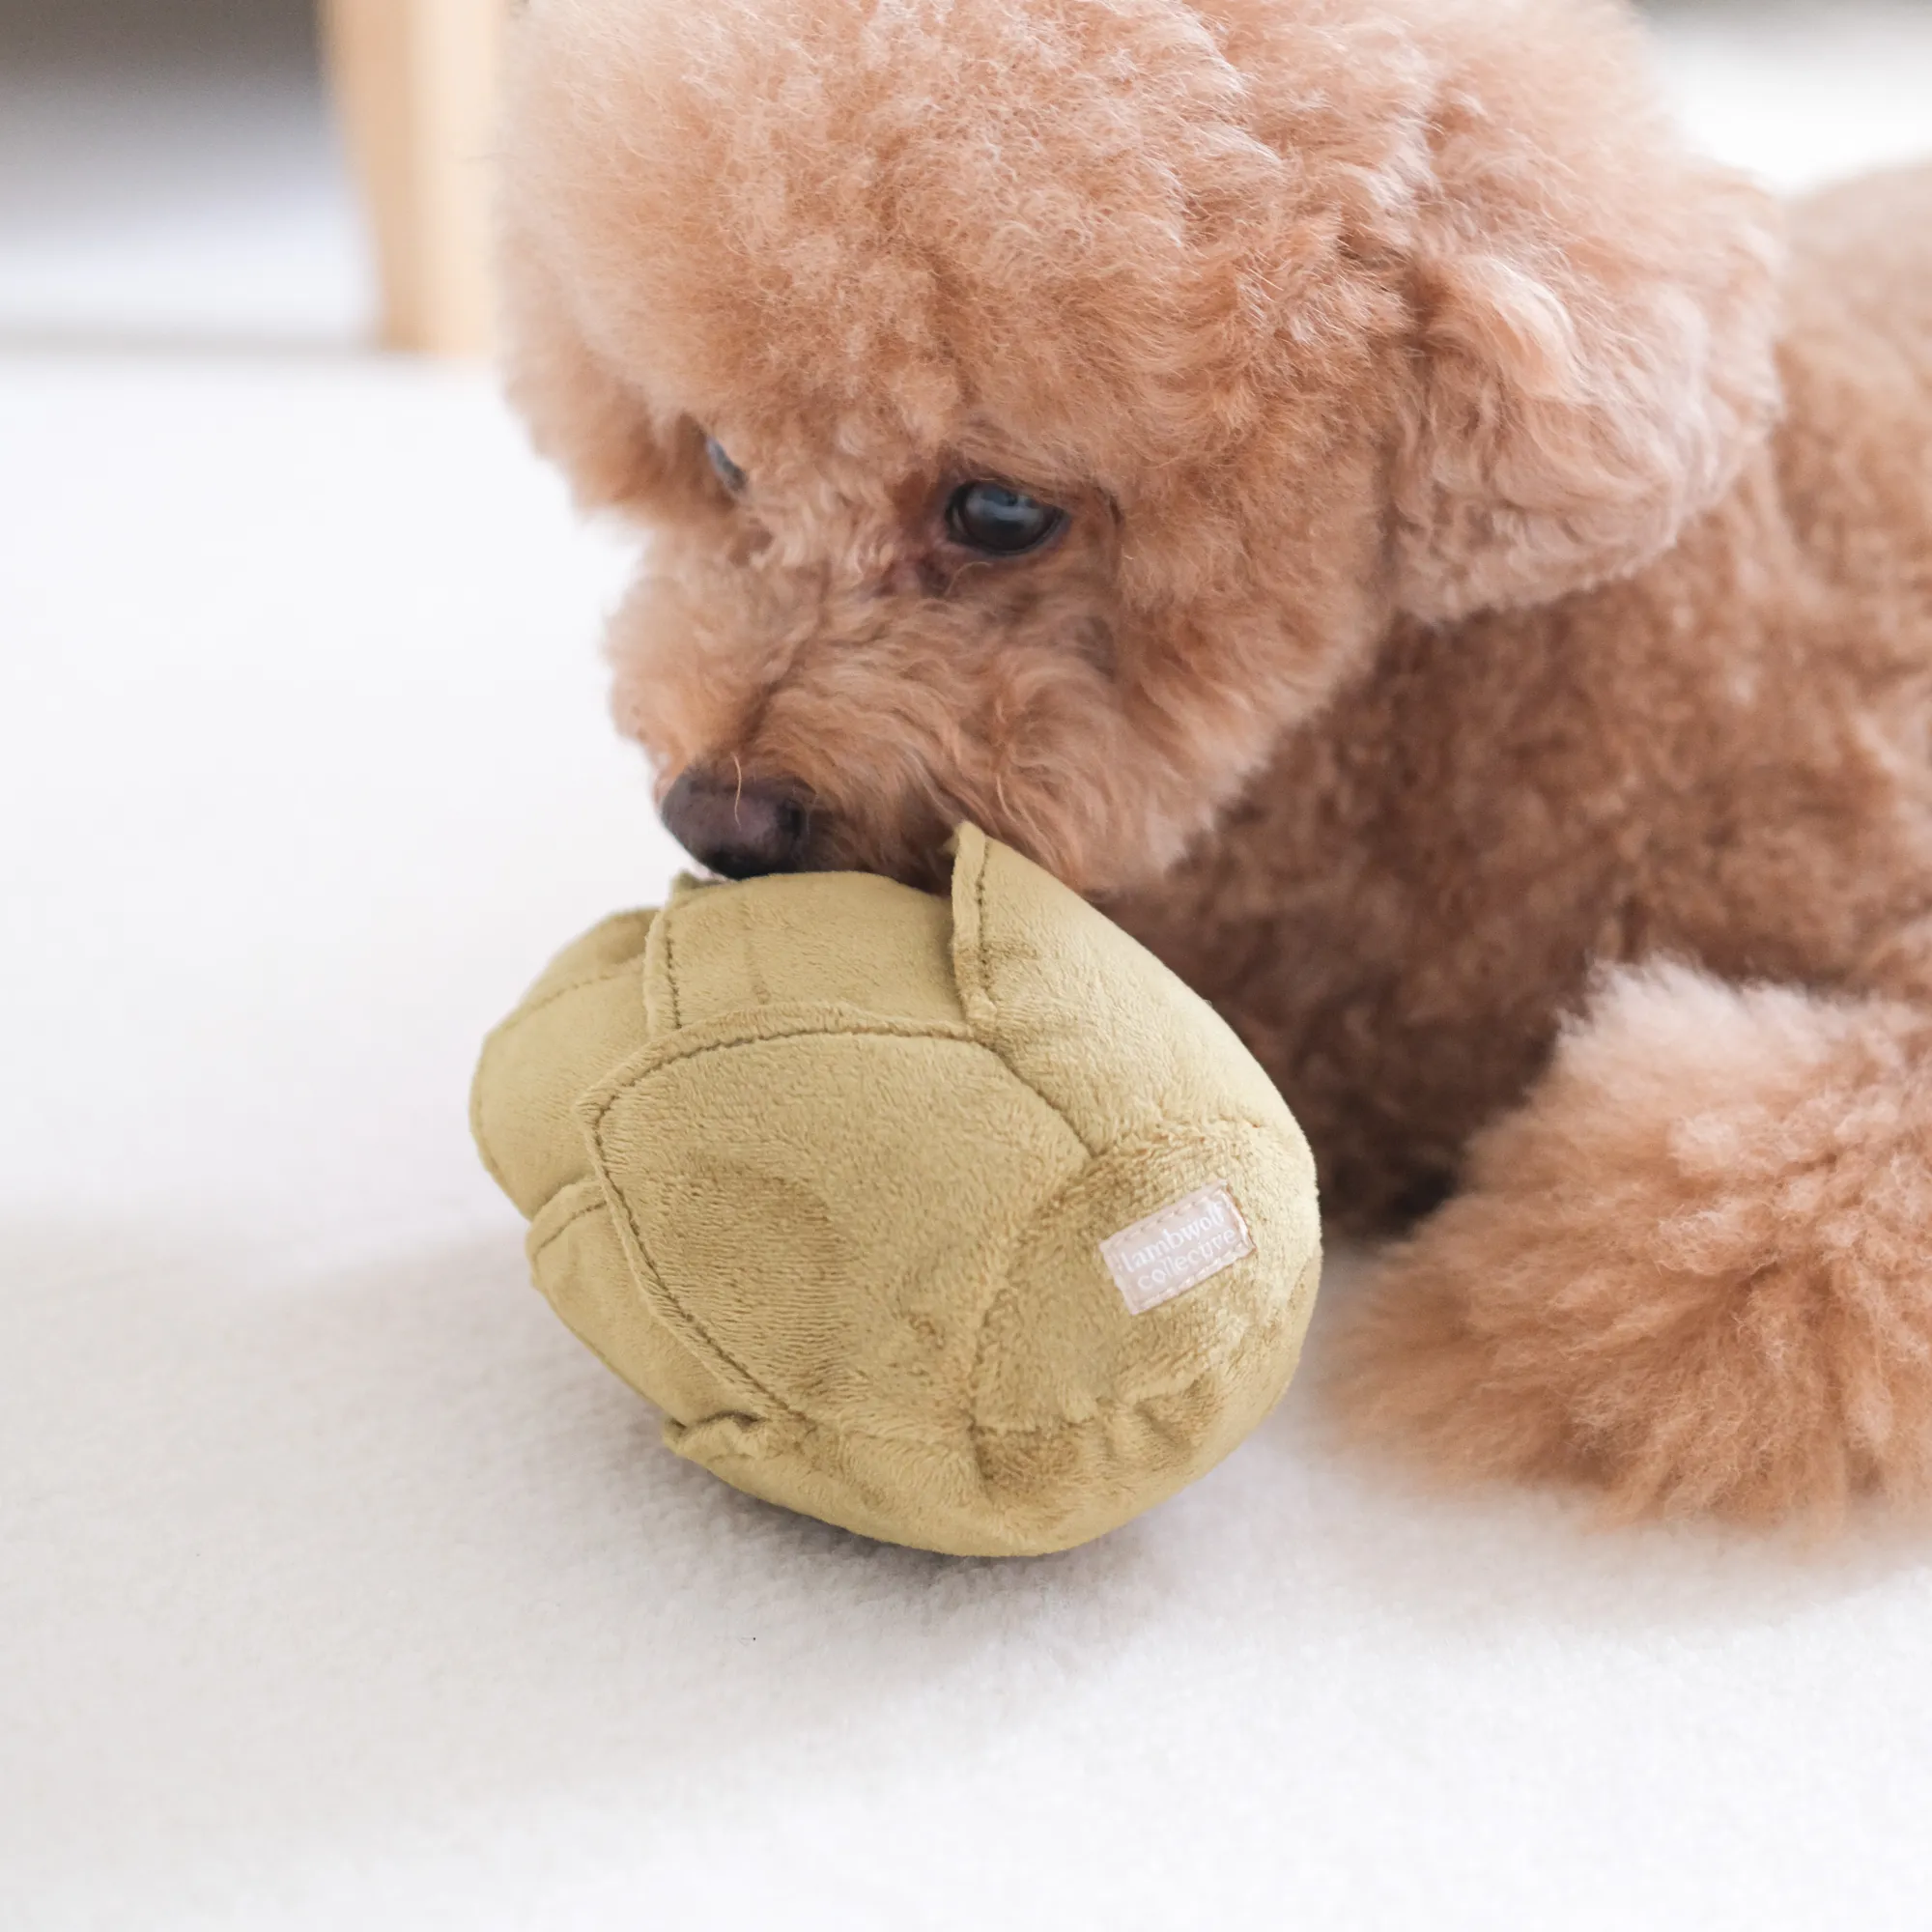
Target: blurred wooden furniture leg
{"points": [[415, 83]]}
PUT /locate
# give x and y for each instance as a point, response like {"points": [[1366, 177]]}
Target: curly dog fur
{"points": [[1488, 651]]}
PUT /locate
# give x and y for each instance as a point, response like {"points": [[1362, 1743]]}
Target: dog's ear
{"points": [[1595, 313]]}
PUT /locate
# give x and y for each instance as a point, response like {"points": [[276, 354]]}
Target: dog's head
{"points": [[1041, 406]]}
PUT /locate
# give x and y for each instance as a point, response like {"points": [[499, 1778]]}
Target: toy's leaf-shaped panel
{"points": [[805, 939], [1086, 1015]]}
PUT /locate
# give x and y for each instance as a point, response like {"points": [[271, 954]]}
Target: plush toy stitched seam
{"points": [[822, 1425], [788, 1411], [872, 1026], [508, 1027], [522, 1013], [969, 949], [923, 1030], [670, 965], [1115, 1404], [1165, 1135], [590, 1205], [982, 1012], [991, 1006], [1103, 1406]]}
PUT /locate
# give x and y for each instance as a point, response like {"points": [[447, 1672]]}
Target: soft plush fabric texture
{"points": [[823, 1164]]}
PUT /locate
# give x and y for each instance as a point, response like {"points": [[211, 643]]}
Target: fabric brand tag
{"points": [[1177, 1248]]}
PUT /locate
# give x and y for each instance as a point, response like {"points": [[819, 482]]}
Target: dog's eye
{"points": [[990, 517], [728, 473]]}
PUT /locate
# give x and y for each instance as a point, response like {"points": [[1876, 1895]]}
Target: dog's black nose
{"points": [[742, 828]]}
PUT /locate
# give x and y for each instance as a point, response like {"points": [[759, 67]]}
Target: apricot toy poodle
{"points": [[1340, 484]]}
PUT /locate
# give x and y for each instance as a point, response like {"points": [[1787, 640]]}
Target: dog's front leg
{"points": [[1694, 1269]]}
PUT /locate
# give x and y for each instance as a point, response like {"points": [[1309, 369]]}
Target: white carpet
{"points": [[340, 1588]]}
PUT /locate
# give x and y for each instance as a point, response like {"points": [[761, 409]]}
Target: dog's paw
{"points": [[1695, 1269]]}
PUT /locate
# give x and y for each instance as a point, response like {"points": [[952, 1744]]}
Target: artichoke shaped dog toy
{"points": [[958, 1222]]}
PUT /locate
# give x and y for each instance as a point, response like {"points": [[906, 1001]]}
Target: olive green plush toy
{"points": [[960, 1223]]}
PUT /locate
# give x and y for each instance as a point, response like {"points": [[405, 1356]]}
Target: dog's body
{"points": [[1436, 652], [1724, 761]]}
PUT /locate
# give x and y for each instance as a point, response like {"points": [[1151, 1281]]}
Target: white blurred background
{"points": [[337, 1585], [170, 176]]}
